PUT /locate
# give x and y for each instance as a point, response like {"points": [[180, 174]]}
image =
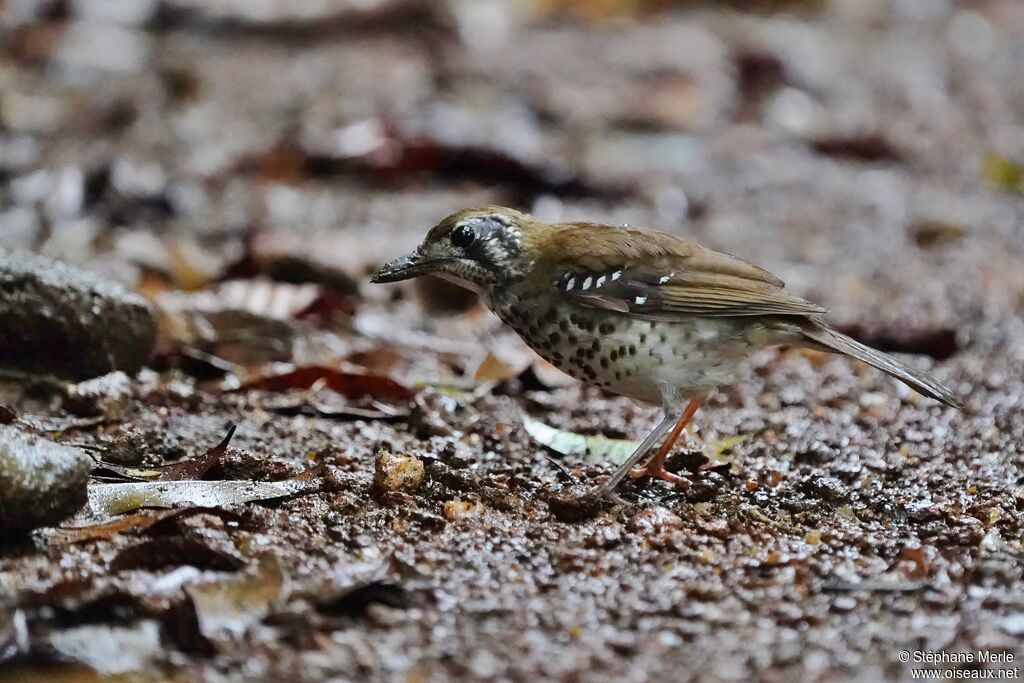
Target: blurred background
{"points": [[860, 149]]}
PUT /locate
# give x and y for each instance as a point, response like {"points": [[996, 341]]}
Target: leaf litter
{"points": [[115, 499]]}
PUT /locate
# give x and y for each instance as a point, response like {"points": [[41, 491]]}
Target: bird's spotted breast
{"points": [[629, 356]]}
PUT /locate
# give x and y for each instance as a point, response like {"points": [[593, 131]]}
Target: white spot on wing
{"points": [[663, 280], [640, 300], [616, 274], [570, 284], [586, 283], [600, 281]]}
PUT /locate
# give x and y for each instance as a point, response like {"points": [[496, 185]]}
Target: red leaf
{"points": [[195, 468], [348, 384]]}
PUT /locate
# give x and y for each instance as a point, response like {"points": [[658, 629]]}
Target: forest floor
{"points": [[408, 526]]}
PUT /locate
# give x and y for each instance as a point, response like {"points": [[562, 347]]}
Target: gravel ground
{"points": [[871, 154]]}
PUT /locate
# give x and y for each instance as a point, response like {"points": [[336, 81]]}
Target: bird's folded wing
{"points": [[686, 281]]}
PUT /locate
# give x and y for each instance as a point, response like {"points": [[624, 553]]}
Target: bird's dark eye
{"points": [[463, 236]]}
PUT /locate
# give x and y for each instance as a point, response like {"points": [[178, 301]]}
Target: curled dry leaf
{"points": [[137, 522], [115, 499], [190, 468]]}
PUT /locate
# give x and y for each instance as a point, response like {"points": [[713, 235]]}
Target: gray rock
{"points": [[57, 319], [41, 481]]}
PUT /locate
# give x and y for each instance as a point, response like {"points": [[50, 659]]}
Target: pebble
{"points": [[654, 520], [59, 320], [397, 472], [455, 510], [41, 482]]}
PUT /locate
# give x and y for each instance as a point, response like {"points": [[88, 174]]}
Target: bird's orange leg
{"points": [[655, 467]]}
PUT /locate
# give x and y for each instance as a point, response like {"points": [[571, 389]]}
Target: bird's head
{"points": [[480, 247]]}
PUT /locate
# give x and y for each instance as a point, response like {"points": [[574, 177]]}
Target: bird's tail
{"points": [[823, 336]]}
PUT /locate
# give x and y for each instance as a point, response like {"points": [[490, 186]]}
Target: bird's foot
{"points": [[657, 470]]}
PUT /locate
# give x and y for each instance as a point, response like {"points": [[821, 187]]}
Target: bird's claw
{"points": [[659, 472]]}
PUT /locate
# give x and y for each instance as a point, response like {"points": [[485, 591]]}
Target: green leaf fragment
{"points": [[597, 449]]}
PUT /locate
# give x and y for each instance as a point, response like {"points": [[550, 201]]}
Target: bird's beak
{"points": [[404, 268]]}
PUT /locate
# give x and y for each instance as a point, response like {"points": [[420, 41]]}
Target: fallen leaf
{"points": [[599, 449], [106, 530], [115, 499], [195, 468], [136, 522], [348, 384], [720, 446], [193, 362], [229, 607], [323, 404], [592, 448], [190, 468], [263, 298]]}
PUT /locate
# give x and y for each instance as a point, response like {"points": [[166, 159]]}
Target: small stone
{"points": [[604, 537], [455, 510], [654, 520], [843, 603], [825, 488], [41, 482], [397, 472], [57, 319]]}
